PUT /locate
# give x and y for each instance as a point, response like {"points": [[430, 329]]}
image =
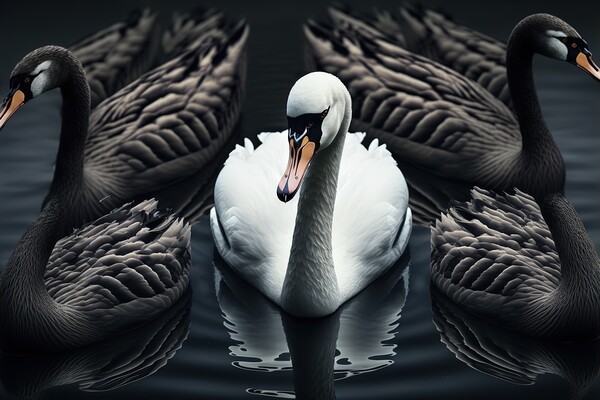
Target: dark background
{"points": [[423, 368]]}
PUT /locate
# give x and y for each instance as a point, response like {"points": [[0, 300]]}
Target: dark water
{"points": [[384, 343]]}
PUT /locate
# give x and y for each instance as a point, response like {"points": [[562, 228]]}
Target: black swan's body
{"points": [[530, 268], [117, 55], [436, 36], [160, 129], [62, 289], [443, 122], [106, 278]]}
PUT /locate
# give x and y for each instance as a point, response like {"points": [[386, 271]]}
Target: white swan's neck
{"points": [[310, 288]]}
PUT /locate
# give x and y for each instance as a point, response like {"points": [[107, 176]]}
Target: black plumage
{"points": [[434, 117], [530, 268]]}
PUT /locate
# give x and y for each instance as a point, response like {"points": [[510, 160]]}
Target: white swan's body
{"points": [[259, 227], [254, 230]]}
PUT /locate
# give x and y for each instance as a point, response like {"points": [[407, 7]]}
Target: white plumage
{"points": [[253, 229]]}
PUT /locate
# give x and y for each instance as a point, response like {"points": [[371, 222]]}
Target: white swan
{"points": [[349, 224]]}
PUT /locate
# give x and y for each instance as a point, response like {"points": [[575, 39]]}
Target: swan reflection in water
{"points": [[511, 357], [354, 340], [106, 365]]}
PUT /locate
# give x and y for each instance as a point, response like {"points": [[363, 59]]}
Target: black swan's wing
{"points": [[115, 56], [494, 254], [134, 258], [189, 30], [428, 114], [433, 34], [170, 123]]}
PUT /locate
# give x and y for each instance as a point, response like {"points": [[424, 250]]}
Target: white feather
{"points": [[42, 67], [38, 85], [556, 49], [371, 208]]}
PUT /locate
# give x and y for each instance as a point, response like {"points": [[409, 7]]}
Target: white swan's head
{"points": [[318, 109], [39, 71], [554, 38]]}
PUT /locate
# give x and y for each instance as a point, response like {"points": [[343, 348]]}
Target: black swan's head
{"points": [[39, 71], [551, 36]]}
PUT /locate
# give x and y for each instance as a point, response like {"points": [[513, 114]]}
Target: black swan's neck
{"points": [[539, 149], [75, 120], [577, 298], [580, 264], [31, 320], [519, 59]]}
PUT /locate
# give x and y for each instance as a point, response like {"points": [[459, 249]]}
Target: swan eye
{"points": [[324, 113], [564, 40], [574, 45], [27, 80], [309, 125]]}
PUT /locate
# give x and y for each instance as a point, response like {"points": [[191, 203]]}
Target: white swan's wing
{"points": [[434, 35], [168, 124], [493, 248], [113, 57], [371, 222], [252, 228], [134, 258], [427, 114]]}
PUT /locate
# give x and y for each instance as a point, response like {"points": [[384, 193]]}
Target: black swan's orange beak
{"points": [[12, 102], [585, 62]]}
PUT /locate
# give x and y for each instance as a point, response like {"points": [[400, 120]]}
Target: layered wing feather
{"points": [[115, 56], [428, 114], [492, 249], [435, 36], [169, 123], [134, 257], [188, 30]]}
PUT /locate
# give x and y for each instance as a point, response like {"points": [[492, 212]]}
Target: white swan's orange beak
{"points": [[584, 61], [12, 102], [300, 157]]}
